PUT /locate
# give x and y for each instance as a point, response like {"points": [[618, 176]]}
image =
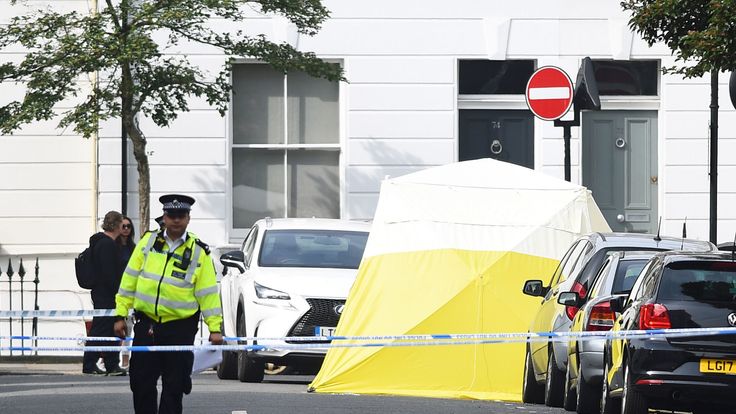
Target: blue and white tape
{"points": [[373, 341], [57, 313], [334, 341]]}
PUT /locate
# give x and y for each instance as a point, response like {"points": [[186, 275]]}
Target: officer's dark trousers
{"points": [[174, 368]]}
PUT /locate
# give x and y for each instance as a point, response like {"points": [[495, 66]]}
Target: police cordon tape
{"points": [[56, 313], [397, 340], [282, 343]]}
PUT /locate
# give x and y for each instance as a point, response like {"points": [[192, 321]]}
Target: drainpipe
{"points": [[713, 171], [124, 169]]}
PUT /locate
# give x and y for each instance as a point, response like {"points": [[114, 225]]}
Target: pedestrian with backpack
{"points": [[107, 271]]}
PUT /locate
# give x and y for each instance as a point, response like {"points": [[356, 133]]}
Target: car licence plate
{"points": [[718, 366], [324, 331]]}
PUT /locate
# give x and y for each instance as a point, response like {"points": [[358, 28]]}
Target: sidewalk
{"points": [[40, 365]]}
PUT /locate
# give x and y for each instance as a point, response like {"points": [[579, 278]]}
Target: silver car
{"points": [[585, 357]]}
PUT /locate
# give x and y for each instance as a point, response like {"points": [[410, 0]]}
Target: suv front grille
{"points": [[321, 313]]}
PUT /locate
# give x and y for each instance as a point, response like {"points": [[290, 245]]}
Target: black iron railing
{"points": [[16, 283]]}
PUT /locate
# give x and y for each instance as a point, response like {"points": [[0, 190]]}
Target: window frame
{"points": [[562, 263], [578, 255], [600, 277], [647, 273], [237, 235], [249, 245], [634, 102], [460, 62], [490, 101]]}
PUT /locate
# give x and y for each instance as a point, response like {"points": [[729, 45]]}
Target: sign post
{"points": [[549, 95]]}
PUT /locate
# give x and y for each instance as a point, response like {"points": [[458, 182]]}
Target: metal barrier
{"points": [[20, 281]]}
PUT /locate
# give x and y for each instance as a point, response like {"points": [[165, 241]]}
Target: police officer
{"points": [[169, 280]]}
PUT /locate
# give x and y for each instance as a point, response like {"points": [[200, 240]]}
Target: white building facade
{"points": [[429, 83]]}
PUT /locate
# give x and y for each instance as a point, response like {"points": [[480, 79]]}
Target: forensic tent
{"points": [[448, 253]]}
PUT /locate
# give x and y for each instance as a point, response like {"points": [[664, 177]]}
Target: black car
{"points": [[694, 373]]}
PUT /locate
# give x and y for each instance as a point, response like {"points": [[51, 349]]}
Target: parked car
{"points": [[585, 357], [290, 278], [546, 362], [693, 373]]}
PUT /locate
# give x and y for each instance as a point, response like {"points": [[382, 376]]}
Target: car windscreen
{"points": [[312, 248], [626, 274], [698, 281]]}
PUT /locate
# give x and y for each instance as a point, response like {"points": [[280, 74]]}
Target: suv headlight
{"points": [[267, 293]]}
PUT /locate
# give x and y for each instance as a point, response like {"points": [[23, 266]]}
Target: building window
{"points": [[286, 145], [627, 77], [494, 77]]}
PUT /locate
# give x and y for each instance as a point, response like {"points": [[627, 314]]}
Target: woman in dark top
{"points": [[126, 245], [126, 241]]}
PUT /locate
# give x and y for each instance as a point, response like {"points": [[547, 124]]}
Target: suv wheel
{"points": [[632, 402], [608, 404], [532, 392], [554, 386], [588, 396], [227, 369], [249, 370], [571, 396]]}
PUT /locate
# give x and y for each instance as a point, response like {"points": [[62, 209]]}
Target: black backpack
{"points": [[85, 269]]}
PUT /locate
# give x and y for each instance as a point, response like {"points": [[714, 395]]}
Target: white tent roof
{"points": [[433, 204]]}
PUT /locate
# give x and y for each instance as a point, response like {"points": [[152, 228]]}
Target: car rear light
{"points": [[654, 316], [649, 382], [723, 266], [601, 317], [571, 311]]}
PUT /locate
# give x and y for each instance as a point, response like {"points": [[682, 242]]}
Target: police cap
{"points": [[176, 202]]}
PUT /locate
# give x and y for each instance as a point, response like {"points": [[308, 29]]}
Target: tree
{"points": [[135, 74], [700, 33], [701, 36]]}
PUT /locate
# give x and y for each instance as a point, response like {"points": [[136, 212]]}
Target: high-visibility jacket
{"points": [[170, 285]]}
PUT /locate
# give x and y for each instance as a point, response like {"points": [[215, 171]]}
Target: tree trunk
{"points": [[144, 176]]}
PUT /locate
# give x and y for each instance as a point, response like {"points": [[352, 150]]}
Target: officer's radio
{"points": [[186, 259]]}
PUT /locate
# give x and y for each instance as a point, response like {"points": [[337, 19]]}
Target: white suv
{"points": [[290, 278]]}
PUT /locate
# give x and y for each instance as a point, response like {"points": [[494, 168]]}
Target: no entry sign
{"points": [[549, 93]]}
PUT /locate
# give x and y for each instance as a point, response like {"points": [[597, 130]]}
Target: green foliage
{"points": [[132, 46], [701, 33]]}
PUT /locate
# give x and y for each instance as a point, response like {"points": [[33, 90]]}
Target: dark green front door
{"points": [[502, 135]]}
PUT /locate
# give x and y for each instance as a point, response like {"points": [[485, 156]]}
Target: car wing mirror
{"points": [[569, 299], [535, 288], [618, 303], [235, 258]]}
